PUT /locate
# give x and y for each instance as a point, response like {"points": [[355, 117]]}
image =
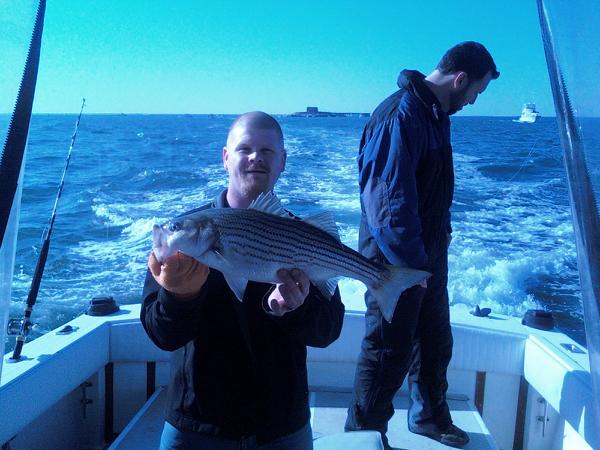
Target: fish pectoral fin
{"points": [[218, 260], [237, 285], [326, 222], [327, 287]]}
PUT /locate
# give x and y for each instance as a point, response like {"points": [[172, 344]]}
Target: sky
{"points": [[278, 56]]}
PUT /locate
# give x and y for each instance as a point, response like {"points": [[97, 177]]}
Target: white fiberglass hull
{"points": [[528, 119]]}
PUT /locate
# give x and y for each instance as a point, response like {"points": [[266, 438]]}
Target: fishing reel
{"points": [[19, 327]]}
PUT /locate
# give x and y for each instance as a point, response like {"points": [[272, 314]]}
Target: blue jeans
{"points": [[174, 439]]}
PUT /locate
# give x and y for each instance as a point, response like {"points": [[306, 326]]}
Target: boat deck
{"points": [[328, 411]]}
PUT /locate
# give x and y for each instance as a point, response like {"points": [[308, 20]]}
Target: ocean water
{"points": [[513, 246]]}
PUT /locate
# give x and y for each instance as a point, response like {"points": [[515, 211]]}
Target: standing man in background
{"points": [[406, 178]]}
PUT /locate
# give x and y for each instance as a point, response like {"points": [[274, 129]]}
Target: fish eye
{"points": [[174, 226]]}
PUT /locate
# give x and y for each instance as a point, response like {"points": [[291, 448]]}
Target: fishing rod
{"points": [[25, 323]]}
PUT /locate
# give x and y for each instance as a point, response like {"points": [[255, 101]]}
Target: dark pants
{"points": [[418, 341]]}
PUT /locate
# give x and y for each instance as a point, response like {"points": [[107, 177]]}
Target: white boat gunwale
{"points": [[503, 349]]}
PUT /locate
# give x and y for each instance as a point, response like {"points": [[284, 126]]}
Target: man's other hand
{"points": [[290, 293]]}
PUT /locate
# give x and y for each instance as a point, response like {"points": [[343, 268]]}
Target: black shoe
{"points": [[451, 436]]}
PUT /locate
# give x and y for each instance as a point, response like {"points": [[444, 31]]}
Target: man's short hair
{"points": [[257, 119], [470, 57]]}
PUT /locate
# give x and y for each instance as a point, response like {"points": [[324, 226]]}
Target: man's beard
{"points": [[251, 188], [457, 101]]}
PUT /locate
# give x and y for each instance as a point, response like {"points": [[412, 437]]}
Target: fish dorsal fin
{"points": [[268, 202], [326, 222]]}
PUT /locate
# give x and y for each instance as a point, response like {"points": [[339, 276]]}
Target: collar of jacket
{"points": [[220, 201], [412, 81]]}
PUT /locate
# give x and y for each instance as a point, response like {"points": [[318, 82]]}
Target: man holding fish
{"points": [[240, 372]]}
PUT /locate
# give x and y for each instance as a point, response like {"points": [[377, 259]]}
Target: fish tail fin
{"points": [[397, 280]]}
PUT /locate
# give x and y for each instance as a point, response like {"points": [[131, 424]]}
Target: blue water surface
{"points": [[513, 246]]}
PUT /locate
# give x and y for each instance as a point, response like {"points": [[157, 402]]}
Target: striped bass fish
{"points": [[254, 243]]}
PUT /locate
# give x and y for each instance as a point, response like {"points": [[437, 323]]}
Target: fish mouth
{"points": [[160, 242]]}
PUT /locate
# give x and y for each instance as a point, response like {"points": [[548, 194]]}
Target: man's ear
{"points": [[225, 157], [461, 79], [284, 159]]}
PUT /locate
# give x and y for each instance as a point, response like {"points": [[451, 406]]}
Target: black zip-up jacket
{"points": [[238, 370], [406, 177]]}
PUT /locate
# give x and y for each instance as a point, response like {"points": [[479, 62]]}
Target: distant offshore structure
{"points": [[313, 111]]}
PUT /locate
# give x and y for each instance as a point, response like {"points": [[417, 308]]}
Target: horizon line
{"points": [[238, 113]]}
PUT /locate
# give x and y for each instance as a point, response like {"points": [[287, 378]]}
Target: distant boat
{"points": [[528, 114]]}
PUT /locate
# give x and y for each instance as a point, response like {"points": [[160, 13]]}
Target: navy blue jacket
{"points": [[406, 177], [239, 371]]}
